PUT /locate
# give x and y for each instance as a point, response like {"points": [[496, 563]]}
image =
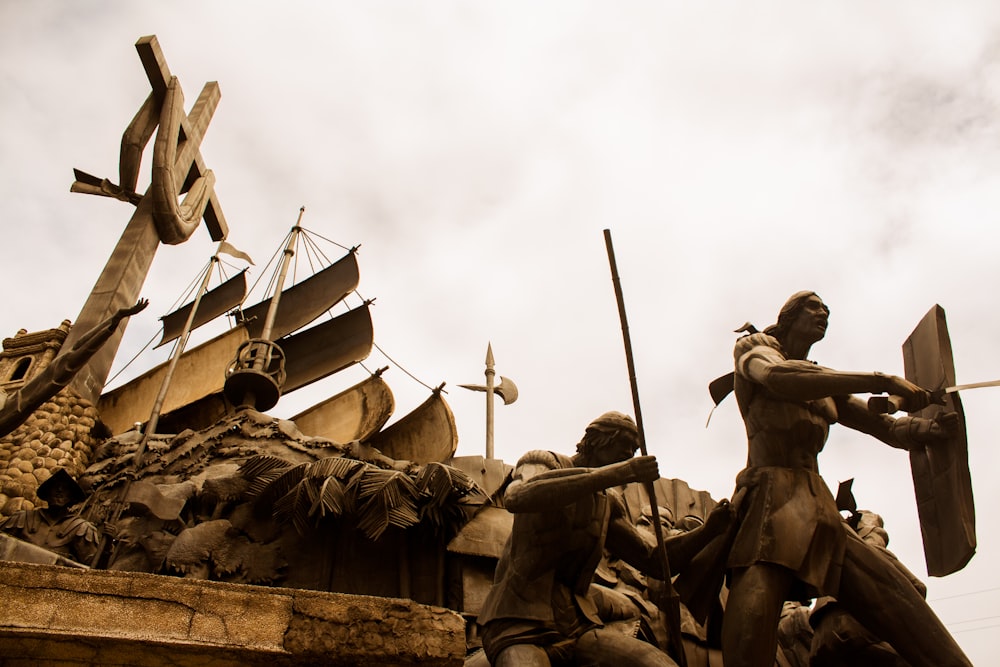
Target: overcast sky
{"points": [[738, 152]]}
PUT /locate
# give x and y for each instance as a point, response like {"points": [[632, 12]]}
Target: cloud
{"points": [[477, 151]]}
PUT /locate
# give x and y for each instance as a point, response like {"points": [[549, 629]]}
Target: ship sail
{"points": [[327, 348], [305, 301], [217, 302], [310, 355], [353, 414], [426, 435]]}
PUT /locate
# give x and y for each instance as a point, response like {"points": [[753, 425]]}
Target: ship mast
{"points": [[272, 310], [255, 378], [154, 416]]}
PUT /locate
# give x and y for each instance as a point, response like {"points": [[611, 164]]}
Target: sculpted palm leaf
{"points": [[263, 464], [434, 484], [331, 500], [261, 471], [276, 488], [441, 489], [335, 466], [294, 505], [385, 498]]}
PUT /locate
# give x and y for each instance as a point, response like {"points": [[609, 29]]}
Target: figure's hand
{"points": [[122, 313], [914, 398], [132, 310], [917, 431], [948, 422], [720, 518], [939, 429], [640, 469]]}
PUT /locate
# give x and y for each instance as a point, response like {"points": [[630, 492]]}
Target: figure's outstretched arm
{"points": [[55, 376], [804, 380], [626, 542], [537, 489], [899, 432]]}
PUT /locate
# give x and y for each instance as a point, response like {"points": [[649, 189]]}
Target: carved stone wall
{"points": [[61, 616], [58, 435], [27, 354]]}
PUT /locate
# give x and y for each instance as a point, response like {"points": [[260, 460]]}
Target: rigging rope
{"points": [[315, 256]]}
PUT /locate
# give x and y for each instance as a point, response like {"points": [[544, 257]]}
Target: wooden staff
{"points": [[673, 609]]}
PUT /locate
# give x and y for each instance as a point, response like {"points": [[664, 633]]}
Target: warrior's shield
{"points": [[941, 476]]}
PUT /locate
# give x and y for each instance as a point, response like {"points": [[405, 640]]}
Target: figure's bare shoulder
{"points": [[539, 461], [540, 457], [757, 340], [756, 346]]}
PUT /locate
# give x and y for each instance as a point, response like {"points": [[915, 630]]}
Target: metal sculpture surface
{"points": [[55, 527], [792, 543], [941, 477], [17, 407], [177, 169], [539, 610]]}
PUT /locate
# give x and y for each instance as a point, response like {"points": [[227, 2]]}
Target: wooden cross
{"points": [[178, 168]]}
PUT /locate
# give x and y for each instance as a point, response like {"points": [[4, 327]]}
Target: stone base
{"points": [[53, 615]]}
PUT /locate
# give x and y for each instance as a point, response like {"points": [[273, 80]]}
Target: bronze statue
{"points": [[54, 527], [792, 543], [17, 407], [837, 637], [538, 611]]}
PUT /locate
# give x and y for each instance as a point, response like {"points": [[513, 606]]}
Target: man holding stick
{"points": [[566, 512]]}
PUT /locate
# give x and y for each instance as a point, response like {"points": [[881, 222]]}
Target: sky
{"points": [[476, 151]]}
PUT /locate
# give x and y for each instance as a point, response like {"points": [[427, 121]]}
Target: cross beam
{"points": [[125, 272], [193, 127]]}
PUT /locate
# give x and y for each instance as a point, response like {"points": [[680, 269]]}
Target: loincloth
{"points": [[789, 518]]}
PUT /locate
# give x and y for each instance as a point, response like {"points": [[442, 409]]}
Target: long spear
{"points": [[673, 610]]}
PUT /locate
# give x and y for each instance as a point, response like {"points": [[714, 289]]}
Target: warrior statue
{"points": [[792, 543]]}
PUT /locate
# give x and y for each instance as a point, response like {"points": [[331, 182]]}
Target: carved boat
{"points": [[426, 435]]}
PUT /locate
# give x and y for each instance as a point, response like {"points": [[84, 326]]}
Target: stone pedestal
{"points": [[61, 616]]}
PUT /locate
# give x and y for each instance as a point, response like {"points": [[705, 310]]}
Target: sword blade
{"points": [[973, 385]]}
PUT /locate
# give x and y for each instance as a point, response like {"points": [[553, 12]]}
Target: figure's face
{"points": [[619, 448], [60, 496], [811, 321]]}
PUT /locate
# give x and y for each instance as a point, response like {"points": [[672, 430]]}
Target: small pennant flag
{"points": [[230, 249]]}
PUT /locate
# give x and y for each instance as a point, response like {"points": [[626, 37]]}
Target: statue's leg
{"points": [[610, 648], [881, 597], [522, 655], [750, 623]]}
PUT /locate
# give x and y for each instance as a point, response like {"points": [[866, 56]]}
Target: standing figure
{"points": [[538, 611], [55, 527], [791, 543]]}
